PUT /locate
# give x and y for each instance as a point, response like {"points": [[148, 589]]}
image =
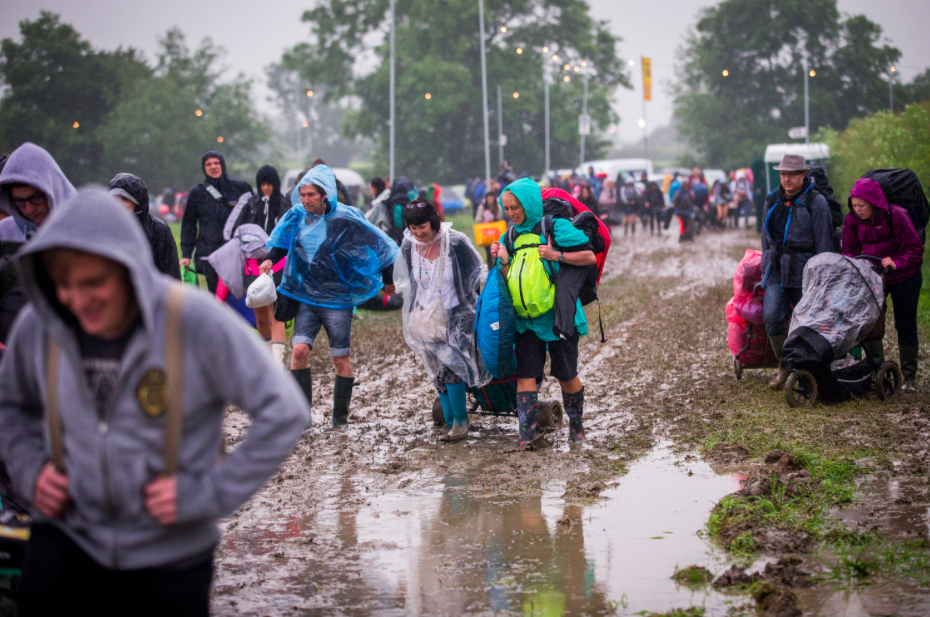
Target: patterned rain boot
{"points": [[528, 413], [574, 409]]}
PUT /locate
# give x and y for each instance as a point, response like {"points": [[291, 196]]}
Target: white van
{"points": [[612, 167]]}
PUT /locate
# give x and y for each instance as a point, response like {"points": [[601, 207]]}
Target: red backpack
{"points": [[579, 208]]}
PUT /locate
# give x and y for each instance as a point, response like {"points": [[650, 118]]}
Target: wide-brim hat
{"points": [[792, 162]]}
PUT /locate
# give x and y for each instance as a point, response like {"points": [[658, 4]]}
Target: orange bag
{"points": [[487, 234]]}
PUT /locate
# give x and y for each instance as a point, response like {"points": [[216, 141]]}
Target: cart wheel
{"points": [[439, 418], [801, 389], [544, 417], [888, 381], [557, 413], [738, 368]]}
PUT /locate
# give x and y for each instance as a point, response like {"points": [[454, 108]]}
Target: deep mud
{"points": [[382, 518]]}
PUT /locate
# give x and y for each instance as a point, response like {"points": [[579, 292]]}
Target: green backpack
{"points": [[529, 279]]}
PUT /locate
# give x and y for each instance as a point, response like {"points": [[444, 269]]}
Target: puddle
{"points": [[895, 505], [441, 549]]}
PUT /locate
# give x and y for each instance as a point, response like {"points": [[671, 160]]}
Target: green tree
{"points": [[58, 92], [729, 119], [155, 131], [438, 53]]}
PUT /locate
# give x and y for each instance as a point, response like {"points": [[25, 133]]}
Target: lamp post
{"points": [[500, 128], [391, 134], [547, 77], [484, 96], [891, 76], [807, 114]]}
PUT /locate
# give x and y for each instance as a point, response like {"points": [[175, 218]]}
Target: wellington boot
{"points": [[909, 367], [342, 395], [459, 431], [277, 350], [874, 350], [779, 381]]}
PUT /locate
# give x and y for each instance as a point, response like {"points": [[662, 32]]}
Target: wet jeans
{"points": [[904, 296], [777, 306]]}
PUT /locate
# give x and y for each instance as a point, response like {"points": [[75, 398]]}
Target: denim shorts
{"points": [[337, 322]]}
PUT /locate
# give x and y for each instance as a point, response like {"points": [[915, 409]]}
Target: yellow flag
{"points": [[647, 79]]}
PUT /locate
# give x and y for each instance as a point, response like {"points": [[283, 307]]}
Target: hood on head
{"points": [[870, 191], [133, 188], [403, 191], [209, 154], [529, 195], [270, 175], [31, 164], [323, 177], [93, 222]]}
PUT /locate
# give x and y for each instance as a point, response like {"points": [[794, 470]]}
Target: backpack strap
{"points": [[174, 377], [52, 410]]}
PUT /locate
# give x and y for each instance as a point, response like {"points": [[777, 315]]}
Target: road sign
{"points": [[647, 79], [798, 132], [584, 124], [503, 140]]}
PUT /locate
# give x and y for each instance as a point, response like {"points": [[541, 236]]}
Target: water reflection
{"points": [[443, 549]]}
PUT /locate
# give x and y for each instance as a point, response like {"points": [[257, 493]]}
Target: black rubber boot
{"points": [[874, 350], [302, 377], [342, 396], [909, 366]]}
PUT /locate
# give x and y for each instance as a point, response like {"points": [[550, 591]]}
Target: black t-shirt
{"points": [[101, 359]]}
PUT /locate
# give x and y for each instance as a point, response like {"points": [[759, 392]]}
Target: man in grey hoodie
{"points": [[31, 186], [115, 531]]}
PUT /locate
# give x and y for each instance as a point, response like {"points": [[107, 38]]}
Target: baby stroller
{"points": [[746, 335], [499, 398], [841, 305]]}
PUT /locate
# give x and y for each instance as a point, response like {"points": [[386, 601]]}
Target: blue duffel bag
{"points": [[496, 326]]}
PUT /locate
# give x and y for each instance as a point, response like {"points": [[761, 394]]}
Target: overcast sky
{"points": [[255, 33]]}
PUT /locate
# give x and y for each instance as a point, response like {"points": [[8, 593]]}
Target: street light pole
{"points": [[584, 111], [891, 87], [484, 97], [807, 115], [547, 72], [391, 148], [297, 117], [500, 128]]}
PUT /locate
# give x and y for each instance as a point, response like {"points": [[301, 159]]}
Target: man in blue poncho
{"points": [[336, 260]]}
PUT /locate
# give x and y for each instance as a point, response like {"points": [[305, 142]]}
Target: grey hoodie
{"points": [[30, 164], [109, 463]]}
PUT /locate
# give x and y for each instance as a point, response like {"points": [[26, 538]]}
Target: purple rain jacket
{"points": [[889, 233]]}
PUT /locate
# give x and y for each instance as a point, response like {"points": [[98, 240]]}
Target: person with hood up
{"points": [[439, 273], [264, 209], [522, 202], [336, 260], [876, 228], [208, 206], [796, 226], [131, 191], [122, 470], [32, 185]]}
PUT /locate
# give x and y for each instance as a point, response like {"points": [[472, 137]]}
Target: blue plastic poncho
{"points": [[335, 260]]}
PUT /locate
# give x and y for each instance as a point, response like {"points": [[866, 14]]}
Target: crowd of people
{"points": [[115, 376]]}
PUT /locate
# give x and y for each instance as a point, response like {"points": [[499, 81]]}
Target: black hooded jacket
{"points": [[206, 214], [164, 249], [260, 212]]}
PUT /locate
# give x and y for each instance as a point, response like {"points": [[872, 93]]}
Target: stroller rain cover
{"points": [[842, 299]]}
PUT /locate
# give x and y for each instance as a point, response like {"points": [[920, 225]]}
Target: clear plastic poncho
{"points": [[842, 300], [439, 317], [335, 260], [248, 242]]}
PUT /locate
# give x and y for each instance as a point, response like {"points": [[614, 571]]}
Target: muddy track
{"points": [[384, 519]]}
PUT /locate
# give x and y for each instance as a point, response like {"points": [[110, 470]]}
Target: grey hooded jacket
{"points": [[110, 462], [30, 164]]}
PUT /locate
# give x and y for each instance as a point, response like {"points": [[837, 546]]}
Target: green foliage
{"points": [[693, 576], [132, 117], [728, 120], [438, 52]]}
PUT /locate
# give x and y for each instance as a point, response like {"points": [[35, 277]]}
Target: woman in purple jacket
{"points": [[873, 227]]}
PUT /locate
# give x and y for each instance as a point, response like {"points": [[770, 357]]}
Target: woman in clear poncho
{"points": [[439, 311]]}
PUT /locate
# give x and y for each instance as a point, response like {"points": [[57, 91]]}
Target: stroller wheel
{"points": [[888, 381], [738, 368], [439, 418], [801, 389]]}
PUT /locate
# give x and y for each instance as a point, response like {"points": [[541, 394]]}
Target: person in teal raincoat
{"points": [[336, 260], [522, 203]]}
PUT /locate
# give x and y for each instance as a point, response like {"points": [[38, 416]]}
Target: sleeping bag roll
{"points": [[496, 326]]}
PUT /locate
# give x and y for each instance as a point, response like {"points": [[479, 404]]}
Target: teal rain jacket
{"points": [[335, 260], [566, 235]]}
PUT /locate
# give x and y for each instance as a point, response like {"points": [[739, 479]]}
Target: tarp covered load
{"points": [[842, 301], [439, 312], [746, 333], [335, 260], [248, 242]]}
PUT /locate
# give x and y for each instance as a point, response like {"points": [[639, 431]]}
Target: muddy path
{"points": [[384, 519]]}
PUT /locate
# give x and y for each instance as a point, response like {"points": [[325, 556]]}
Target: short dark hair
{"points": [[317, 161], [377, 184], [420, 211]]}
